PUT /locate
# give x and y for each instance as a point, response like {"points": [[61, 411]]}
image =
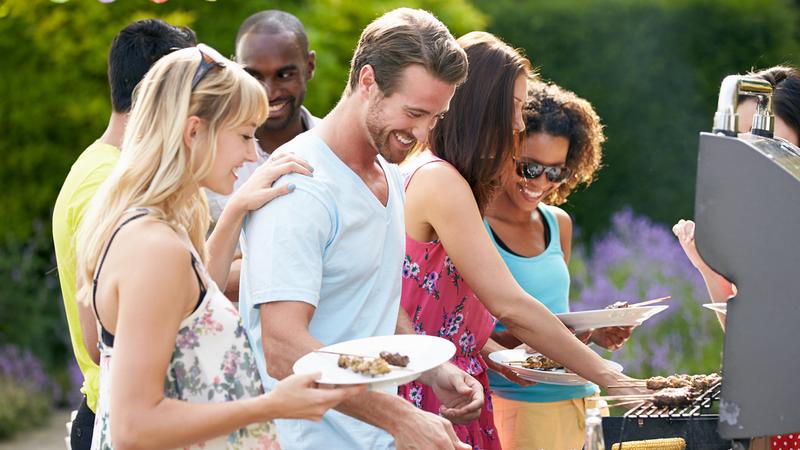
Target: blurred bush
{"points": [[652, 69], [30, 298], [55, 92], [26, 392], [636, 260]]}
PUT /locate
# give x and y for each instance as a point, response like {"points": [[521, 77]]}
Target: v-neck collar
{"points": [[357, 180]]}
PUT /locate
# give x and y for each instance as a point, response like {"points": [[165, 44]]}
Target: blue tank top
{"points": [[545, 277]]}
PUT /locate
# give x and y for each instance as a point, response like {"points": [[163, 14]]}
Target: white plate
{"points": [[424, 353], [718, 307], [541, 376], [618, 317]]}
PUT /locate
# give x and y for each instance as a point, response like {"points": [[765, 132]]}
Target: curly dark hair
{"points": [[559, 112]]}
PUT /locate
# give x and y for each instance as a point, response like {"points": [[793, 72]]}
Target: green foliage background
{"points": [[55, 92], [651, 68]]}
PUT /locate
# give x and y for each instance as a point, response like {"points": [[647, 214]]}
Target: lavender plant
{"points": [[638, 259], [26, 392]]}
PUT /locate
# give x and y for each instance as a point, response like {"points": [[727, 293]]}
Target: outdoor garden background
{"points": [[651, 68]]}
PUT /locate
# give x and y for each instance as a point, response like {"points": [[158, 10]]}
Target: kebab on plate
{"points": [[541, 362], [372, 366]]}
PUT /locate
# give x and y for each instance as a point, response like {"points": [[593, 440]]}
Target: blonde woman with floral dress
{"points": [[177, 370]]}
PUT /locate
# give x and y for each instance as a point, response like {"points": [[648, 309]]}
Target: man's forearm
{"points": [[281, 352], [377, 408]]}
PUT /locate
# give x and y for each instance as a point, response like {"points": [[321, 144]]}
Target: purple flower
{"points": [[467, 342], [430, 283], [635, 260], [448, 264], [414, 270], [451, 325], [474, 366], [187, 339], [229, 362], [25, 370]]}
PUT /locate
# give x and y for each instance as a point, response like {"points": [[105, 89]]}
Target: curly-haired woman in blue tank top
{"points": [[561, 149]]}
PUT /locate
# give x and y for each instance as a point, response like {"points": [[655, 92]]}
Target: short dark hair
{"points": [[135, 49], [273, 21], [403, 37], [477, 135]]}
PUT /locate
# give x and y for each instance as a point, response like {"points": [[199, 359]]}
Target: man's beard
{"points": [[379, 134]]}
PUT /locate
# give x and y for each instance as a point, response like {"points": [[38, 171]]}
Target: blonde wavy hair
{"points": [[156, 169]]}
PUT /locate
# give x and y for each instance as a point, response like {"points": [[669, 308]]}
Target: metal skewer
{"points": [[627, 397], [650, 302]]}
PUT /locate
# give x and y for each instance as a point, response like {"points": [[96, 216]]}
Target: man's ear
{"points": [[311, 64], [366, 80], [190, 130]]}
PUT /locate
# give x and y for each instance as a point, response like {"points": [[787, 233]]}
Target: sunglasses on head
{"points": [[531, 170], [209, 58]]}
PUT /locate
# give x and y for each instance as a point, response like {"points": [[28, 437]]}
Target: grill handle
{"points": [[726, 119]]}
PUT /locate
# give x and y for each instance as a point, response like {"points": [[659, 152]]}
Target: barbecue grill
{"points": [[747, 209], [695, 423]]}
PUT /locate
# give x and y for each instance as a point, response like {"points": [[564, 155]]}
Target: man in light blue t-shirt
{"points": [[323, 265]]}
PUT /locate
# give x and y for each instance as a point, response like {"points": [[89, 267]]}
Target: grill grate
{"points": [[701, 405]]}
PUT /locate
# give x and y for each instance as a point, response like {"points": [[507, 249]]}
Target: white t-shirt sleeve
{"points": [[284, 246]]}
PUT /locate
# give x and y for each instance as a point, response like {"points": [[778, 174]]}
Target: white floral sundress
{"points": [[212, 362]]}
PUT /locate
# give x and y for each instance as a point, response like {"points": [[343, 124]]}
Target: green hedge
{"points": [[55, 93], [55, 102], [652, 69]]}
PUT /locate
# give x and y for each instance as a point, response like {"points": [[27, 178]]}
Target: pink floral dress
{"points": [[441, 303]]}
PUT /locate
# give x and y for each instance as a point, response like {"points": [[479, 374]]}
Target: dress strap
{"points": [[104, 333], [200, 282], [424, 161]]}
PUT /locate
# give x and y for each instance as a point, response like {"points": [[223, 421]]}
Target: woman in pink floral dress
{"points": [[454, 281]]}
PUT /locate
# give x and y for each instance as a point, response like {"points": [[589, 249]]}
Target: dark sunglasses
{"points": [[531, 170], [209, 58]]}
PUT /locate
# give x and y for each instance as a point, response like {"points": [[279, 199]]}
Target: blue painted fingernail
{"points": [[291, 187]]}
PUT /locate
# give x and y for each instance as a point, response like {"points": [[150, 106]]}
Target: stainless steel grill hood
{"points": [[747, 209]]}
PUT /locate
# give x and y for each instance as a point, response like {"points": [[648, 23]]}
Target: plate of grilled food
{"points": [[718, 307], [380, 361], [539, 368], [618, 314]]}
